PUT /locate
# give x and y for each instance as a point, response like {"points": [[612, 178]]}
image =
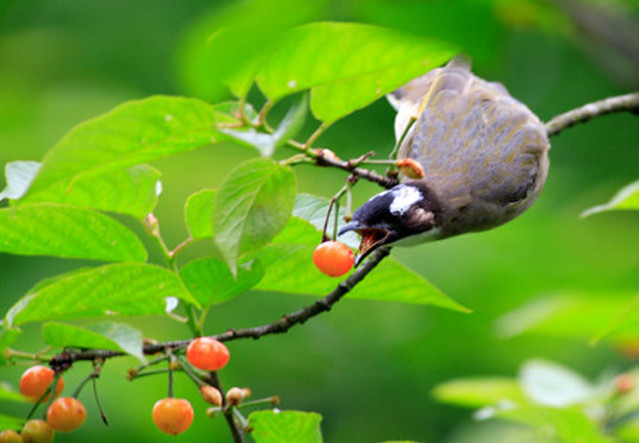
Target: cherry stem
{"points": [[149, 373], [328, 213], [170, 387], [97, 402], [155, 361], [52, 386], [93, 375], [273, 401], [242, 420], [39, 402], [192, 375]]}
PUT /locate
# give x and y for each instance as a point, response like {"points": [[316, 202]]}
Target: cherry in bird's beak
{"points": [[372, 238]]}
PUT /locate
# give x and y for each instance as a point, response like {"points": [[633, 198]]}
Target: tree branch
{"points": [[628, 102], [236, 433], [64, 360], [332, 161]]}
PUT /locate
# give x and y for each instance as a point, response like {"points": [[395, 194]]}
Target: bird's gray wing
{"points": [[477, 145]]}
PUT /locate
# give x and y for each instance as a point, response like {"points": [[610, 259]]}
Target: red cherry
{"points": [[66, 414], [172, 415], [37, 431], [10, 436], [207, 354], [333, 258], [625, 383], [36, 380]]}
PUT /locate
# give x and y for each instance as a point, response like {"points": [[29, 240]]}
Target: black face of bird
{"points": [[396, 216]]}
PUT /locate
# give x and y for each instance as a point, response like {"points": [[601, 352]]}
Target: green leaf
{"points": [[8, 393], [252, 205], [267, 143], [479, 392], [198, 213], [19, 176], [626, 198], [346, 65], [227, 45], [550, 384], [578, 315], [566, 424], [108, 335], [229, 112], [290, 268], [473, 25], [125, 289], [8, 336], [275, 426], [132, 191], [65, 231], [210, 281], [132, 133], [9, 422], [314, 209]]}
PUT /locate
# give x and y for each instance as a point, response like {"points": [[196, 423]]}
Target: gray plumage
{"points": [[484, 155]]}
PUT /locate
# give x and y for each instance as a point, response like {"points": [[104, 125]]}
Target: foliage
{"points": [[552, 400], [256, 232]]}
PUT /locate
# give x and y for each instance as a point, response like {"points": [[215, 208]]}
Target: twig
{"points": [[315, 135], [277, 327], [628, 102], [372, 176], [236, 432]]}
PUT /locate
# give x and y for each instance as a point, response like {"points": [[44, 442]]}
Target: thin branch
{"points": [[277, 327], [372, 176], [621, 103], [236, 432]]}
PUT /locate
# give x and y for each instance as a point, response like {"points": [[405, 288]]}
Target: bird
{"points": [[484, 155]]}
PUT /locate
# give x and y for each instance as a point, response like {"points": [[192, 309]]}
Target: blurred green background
{"points": [[367, 367]]}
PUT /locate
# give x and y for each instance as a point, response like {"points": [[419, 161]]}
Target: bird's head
{"points": [[407, 213]]}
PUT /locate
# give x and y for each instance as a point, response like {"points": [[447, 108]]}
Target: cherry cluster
{"points": [[171, 415], [63, 414]]}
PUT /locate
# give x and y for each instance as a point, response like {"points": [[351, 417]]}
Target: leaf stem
{"points": [[315, 135], [38, 356], [194, 324], [261, 118], [181, 246]]}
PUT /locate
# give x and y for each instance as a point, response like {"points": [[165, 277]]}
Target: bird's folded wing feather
{"points": [[472, 138]]}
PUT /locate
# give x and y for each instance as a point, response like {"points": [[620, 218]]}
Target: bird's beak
{"points": [[372, 238]]}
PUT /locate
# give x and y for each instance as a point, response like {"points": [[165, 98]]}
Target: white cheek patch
{"points": [[404, 198]]}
